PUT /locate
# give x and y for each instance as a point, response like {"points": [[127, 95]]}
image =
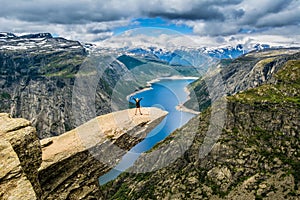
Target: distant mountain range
{"points": [[177, 57], [172, 57]]}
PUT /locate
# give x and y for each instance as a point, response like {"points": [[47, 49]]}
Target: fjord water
{"points": [[165, 94]]}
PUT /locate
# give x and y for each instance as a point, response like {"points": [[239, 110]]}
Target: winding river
{"points": [[165, 94]]}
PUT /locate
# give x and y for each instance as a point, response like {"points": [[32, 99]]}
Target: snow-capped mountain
{"points": [[5, 35], [41, 42], [175, 57], [181, 56]]}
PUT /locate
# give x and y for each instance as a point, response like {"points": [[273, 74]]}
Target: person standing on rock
{"points": [[137, 104]]}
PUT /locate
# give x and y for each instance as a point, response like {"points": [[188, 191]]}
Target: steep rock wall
{"points": [[21, 156]]}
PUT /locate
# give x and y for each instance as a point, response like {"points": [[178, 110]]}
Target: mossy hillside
{"points": [[248, 71], [286, 88], [43, 61], [5, 95], [201, 101], [63, 66], [130, 61]]}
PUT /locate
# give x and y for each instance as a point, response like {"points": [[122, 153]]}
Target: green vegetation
{"points": [[123, 189], [5, 95], [285, 90], [201, 101], [225, 62], [129, 61], [148, 67], [62, 65]]}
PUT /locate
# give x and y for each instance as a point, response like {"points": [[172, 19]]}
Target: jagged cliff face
{"points": [[21, 156], [31, 85], [37, 74], [256, 156]]}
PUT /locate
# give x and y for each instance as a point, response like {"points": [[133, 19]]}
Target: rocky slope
{"points": [[255, 157], [248, 71], [73, 162], [67, 166]]}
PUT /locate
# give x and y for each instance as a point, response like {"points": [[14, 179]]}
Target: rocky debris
{"points": [[255, 157], [20, 159]]}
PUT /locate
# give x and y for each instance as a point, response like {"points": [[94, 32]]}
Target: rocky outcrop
{"points": [[255, 157], [67, 166], [73, 162], [13, 182], [20, 159]]}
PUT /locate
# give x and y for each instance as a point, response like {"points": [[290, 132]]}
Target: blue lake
{"points": [[165, 94]]}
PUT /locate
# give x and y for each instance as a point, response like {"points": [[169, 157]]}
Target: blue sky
{"points": [[156, 22]]}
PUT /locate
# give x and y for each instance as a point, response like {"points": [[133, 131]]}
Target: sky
{"points": [[162, 22]]}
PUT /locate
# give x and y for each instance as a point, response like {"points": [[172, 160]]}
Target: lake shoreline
{"points": [[149, 83], [182, 108]]}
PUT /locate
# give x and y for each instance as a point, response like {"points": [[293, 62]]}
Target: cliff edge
{"points": [[67, 166]]}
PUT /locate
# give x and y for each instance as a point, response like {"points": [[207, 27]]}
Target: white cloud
{"points": [[89, 32], [212, 20], [167, 40], [290, 17]]}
